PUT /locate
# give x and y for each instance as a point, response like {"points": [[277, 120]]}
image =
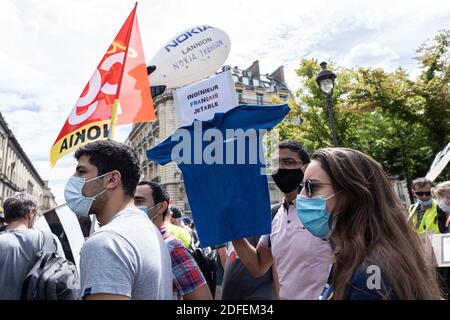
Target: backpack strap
{"points": [[49, 243]]}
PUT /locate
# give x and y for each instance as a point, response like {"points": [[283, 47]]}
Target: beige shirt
{"points": [[302, 260]]}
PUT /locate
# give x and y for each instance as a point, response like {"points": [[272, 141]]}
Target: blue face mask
{"points": [[427, 203], [143, 209], [73, 193], [313, 214], [146, 210]]}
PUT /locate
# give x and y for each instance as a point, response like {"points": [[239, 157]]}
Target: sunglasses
{"points": [[311, 186], [421, 194]]}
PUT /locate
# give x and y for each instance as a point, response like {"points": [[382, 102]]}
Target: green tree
{"points": [[433, 86], [399, 121], [417, 108], [392, 111], [315, 131]]}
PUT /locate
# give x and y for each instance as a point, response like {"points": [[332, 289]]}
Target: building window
{"points": [[46, 201], [259, 98], [245, 81], [235, 78], [283, 97], [240, 97], [30, 187], [255, 82]]}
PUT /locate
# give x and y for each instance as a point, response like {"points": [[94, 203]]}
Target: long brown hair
{"points": [[370, 223]]}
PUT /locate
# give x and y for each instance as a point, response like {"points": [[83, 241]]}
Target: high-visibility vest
{"points": [[180, 234], [429, 220]]}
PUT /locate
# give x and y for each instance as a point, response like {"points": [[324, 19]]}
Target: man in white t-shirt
{"points": [[127, 257]]}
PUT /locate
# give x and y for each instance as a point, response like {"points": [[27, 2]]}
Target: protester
{"points": [[19, 244], [175, 217], [174, 227], [348, 198], [190, 227], [206, 257], [186, 220], [3, 223], [188, 282], [126, 258], [301, 261], [427, 217], [441, 193]]}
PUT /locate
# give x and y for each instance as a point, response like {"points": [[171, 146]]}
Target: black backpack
{"points": [[206, 261], [52, 277]]}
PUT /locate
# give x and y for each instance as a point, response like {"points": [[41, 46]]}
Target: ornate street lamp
{"points": [[325, 81]]}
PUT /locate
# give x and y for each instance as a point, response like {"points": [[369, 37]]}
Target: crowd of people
{"points": [[340, 232]]}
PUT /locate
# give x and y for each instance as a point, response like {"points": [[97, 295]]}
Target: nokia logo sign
{"points": [[186, 35]]}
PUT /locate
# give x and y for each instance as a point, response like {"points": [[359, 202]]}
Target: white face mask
{"points": [[443, 205], [75, 199]]}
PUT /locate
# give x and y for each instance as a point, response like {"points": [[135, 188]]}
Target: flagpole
{"points": [[61, 205], [113, 119], [116, 102], [413, 211]]}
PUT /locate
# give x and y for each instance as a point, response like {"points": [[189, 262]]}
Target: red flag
{"points": [[135, 98], [118, 75]]}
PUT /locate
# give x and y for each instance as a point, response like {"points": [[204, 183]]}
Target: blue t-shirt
{"points": [[227, 191]]}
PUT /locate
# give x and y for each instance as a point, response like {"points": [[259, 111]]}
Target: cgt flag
{"points": [[121, 76]]}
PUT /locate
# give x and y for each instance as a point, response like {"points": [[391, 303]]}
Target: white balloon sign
{"points": [[190, 56]]}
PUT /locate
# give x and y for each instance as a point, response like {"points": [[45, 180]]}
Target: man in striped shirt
{"points": [[189, 282]]}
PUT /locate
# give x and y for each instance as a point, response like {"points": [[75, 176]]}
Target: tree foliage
{"points": [[401, 122]]}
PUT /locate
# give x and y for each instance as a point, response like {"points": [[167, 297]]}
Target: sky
{"points": [[51, 47]]}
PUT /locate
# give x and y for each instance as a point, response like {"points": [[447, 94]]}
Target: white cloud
{"points": [[371, 54], [53, 47]]}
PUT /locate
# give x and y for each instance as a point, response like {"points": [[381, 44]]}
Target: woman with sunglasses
{"points": [[348, 198]]}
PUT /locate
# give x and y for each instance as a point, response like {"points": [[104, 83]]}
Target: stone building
{"points": [[17, 173]]}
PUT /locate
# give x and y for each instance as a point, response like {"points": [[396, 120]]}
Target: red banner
{"points": [[121, 74]]}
